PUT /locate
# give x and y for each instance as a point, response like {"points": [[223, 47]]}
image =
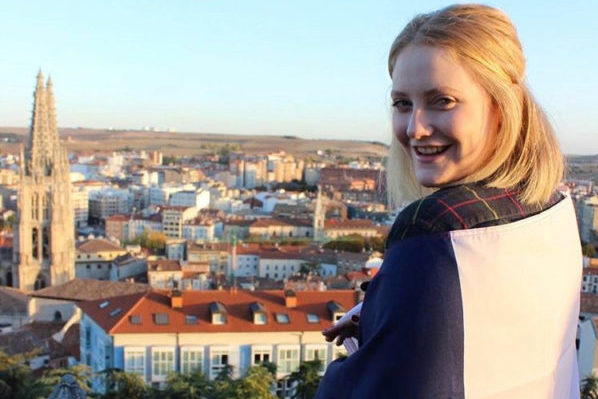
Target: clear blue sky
{"points": [[313, 69]]}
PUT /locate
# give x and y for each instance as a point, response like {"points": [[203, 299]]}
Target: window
{"points": [[261, 355], [218, 318], [338, 351], [191, 360], [312, 318], [218, 359], [259, 318], [189, 319], [161, 318], [162, 363], [282, 318], [135, 319], [288, 360], [135, 361], [316, 353]]}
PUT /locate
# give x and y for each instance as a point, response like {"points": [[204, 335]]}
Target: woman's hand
{"points": [[342, 330]]}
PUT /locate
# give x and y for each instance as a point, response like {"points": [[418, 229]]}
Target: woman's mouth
{"points": [[430, 150]]}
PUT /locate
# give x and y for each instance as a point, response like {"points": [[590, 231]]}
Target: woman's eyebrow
{"points": [[427, 93]]}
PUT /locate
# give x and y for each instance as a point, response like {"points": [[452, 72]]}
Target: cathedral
{"points": [[44, 237]]}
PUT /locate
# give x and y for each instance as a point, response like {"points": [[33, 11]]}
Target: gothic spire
{"points": [[52, 125], [43, 134]]}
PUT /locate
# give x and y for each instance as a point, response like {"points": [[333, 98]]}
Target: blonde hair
{"points": [[526, 153]]}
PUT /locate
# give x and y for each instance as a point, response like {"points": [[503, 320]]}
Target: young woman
{"points": [[478, 296]]}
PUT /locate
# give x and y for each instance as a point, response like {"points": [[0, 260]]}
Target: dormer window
{"points": [[282, 318], [161, 318], [259, 313], [336, 310], [135, 319], [312, 318], [218, 312]]}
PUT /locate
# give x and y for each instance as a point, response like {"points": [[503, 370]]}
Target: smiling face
{"points": [[443, 118]]}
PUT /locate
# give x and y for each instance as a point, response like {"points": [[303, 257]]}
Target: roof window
{"points": [[135, 319], [313, 318], [282, 318], [161, 318]]}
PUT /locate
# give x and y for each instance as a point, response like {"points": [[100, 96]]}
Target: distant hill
{"points": [[84, 139]]}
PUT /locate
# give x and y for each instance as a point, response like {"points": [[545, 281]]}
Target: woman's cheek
{"points": [[400, 132]]}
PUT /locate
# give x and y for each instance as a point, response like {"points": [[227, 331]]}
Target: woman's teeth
{"points": [[430, 150]]}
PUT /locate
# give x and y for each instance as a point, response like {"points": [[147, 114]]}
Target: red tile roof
{"points": [[88, 289], [118, 218], [97, 245], [196, 303], [349, 224], [163, 265]]}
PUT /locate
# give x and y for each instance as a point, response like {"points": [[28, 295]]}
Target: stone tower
{"points": [[44, 242], [319, 216]]}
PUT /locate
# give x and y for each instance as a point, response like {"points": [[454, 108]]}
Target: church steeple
{"points": [[43, 246], [43, 134]]}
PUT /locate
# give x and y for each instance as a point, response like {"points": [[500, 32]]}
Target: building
{"points": [[44, 246], [199, 199], [217, 255], [127, 266], [156, 333], [94, 258], [164, 273], [589, 220], [334, 229], [173, 218], [276, 228], [80, 206], [105, 203]]}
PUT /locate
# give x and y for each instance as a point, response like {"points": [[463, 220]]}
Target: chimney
{"points": [[176, 299], [290, 299]]}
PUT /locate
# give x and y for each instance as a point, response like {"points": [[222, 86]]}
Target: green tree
{"points": [[307, 379], [588, 250], [185, 386], [589, 389], [81, 372], [223, 386], [122, 385], [169, 160], [256, 385], [350, 243], [17, 380], [308, 268]]}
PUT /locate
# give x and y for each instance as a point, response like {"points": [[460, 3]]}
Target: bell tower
{"points": [[44, 236]]}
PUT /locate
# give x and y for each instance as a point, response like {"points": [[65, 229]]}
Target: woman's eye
{"points": [[445, 102], [401, 105]]}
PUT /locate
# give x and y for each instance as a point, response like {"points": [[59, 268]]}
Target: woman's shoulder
{"points": [[464, 206]]}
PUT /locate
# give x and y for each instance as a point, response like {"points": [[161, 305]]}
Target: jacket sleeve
{"points": [[411, 329]]}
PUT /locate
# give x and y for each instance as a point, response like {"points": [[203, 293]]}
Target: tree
{"points": [[185, 386], [589, 388], [81, 373], [589, 250], [256, 385], [16, 378], [350, 243], [122, 385], [156, 242], [309, 268], [307, 379]]}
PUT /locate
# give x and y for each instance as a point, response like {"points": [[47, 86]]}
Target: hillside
{"points": [[84, 139]]}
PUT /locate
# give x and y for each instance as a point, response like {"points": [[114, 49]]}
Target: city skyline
{"points": [[309, 70]]}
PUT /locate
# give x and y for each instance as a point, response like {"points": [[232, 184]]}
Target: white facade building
{"points": [[152, 335]]}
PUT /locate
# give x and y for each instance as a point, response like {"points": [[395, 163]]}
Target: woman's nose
{"points": [[418, 125]]}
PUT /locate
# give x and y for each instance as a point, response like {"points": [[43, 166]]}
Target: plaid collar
{"points": [[465, 206]]}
